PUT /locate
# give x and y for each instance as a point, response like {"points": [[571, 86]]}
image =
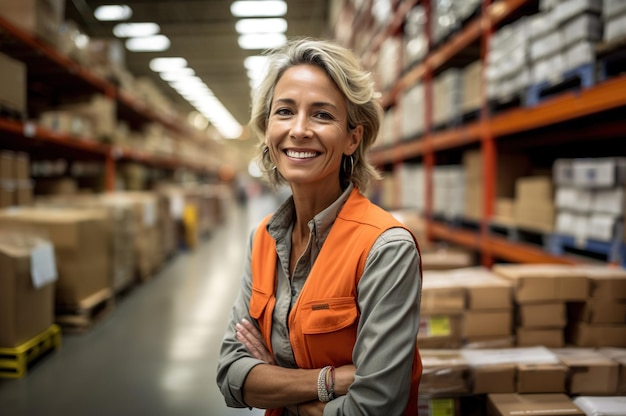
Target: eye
{"points": [[323, 115], [283, 111]]}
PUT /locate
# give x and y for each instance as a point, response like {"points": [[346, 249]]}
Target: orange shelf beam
{"points": [[498, 247]]}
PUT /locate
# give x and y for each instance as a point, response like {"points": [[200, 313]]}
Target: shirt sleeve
{"points": [[389, 294], [234, 360]]}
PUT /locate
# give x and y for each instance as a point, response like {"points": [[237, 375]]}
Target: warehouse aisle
{"points": [[156, 353]]}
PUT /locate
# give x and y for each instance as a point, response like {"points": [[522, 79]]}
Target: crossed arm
{"points": [[269, 385]]}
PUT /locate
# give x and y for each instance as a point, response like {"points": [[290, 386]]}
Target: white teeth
{"points": [[301, 155]]}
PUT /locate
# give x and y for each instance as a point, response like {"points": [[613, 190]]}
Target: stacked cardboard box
{"points": [[447, 90], [41, 18], [535, 404], [15, 185], [12, 87], [618, 355], [590, 198], [510, 167], [448, 191], [541, 292], [27, 276], [413, 111], [534, 203], [465, 306], [600, 321], [614, 14], [589, 371], [79, 237], [472, 82]]}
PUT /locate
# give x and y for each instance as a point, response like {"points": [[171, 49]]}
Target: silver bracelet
{"points": [[322, 393]]}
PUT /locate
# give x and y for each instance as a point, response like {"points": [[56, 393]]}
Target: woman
{"points": [[327, 318]]}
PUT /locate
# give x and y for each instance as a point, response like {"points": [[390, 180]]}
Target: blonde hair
{"points": [[356, 85]]}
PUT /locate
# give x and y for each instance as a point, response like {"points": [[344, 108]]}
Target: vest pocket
{"points": [[328, 315], [258, 303]]}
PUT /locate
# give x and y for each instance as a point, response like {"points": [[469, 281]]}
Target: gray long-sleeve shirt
{"points": [[388, 298]]}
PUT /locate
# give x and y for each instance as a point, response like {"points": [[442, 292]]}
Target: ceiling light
{"points": [[262, 41], [167, 64], [157, 43], [270, 25], [268, 8], [177, 74], [132, 30], [113, 12], [255, 61]]}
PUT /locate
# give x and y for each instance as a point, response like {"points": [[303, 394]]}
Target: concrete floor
{"points": [[156, 353]]}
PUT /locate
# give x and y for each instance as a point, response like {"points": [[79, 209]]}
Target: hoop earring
{"points": [[347, 171], [266, 154]]}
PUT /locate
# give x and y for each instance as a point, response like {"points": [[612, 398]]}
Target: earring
{"points": [[347, 171], [266, 154]]}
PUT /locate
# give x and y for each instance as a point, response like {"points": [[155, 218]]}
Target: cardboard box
{"points": [[441, 295], [542, 315], [25, 310], [606, 282], [12, 85], [597, 311], [23, 193], [81, 242], [7, 166], [498, 378], [38, 17], [22, 166], [532, 404], [7, 194], [598, 335], [541, 378], [599, 172], [548, 337], [488, 342], [429, 406], [487, 323], [446, 259], [510, 167], [536, 283], [618, 355], [590, 372], [484, 289], [439, 331], [444, 372]]}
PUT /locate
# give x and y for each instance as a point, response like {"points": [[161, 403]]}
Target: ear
{"points": [[354, 140]]}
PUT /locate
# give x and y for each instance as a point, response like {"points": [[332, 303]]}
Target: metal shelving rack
{"points": [[487, 129]]}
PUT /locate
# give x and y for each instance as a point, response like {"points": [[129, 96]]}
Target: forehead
{"points": [[305, 80]]}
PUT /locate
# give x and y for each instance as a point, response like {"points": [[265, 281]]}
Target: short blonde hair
{"points": [[356, 85]]}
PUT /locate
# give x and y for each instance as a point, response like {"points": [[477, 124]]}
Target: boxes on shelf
{"points": [[101, 111], [590, 372], [67, 122], [618, 355], [27, 276], [415, 41], [80, 239], [41, 18], [440, 331], [534, 203], [615, 28], [567, 10], [413, 110], [387, 68], [448, 191], [541, 378], [471, 82], [12, 87], [536, 404], [447, 90]]}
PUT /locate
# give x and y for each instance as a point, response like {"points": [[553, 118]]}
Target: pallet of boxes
{"points": [[28, 275], [523, 339], [80, 240]]}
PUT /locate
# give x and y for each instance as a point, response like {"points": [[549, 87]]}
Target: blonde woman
{"points": [[327, 318]]}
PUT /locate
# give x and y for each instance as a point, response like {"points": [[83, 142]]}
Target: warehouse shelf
{"points": [[591, 110], [45, 63]]}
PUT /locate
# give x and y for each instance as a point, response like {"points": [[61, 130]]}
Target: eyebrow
{"points": [[315, 104]]}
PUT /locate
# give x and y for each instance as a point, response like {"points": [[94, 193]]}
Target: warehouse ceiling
{"points": [[202, 32]]}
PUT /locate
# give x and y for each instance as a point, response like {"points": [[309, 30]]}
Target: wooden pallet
{"points": [[14, 362], [82, 317]]}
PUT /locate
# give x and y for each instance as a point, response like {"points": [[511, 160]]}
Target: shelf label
{"points": [[436, 326], [43, 266]]}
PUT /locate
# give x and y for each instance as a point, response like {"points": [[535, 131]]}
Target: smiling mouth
{"points": [[301, 155]]}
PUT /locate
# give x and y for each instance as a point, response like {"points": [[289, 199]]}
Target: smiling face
{"points": [[307, 132]]}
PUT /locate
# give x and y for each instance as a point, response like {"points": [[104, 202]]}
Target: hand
{"points": [[252, 339], [314, 408], [344, 377]]}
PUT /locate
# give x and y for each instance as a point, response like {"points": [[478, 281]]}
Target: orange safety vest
{"points": [[323, 322]]}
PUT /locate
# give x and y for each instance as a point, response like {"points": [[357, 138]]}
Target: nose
{"points": [[300, 128]]}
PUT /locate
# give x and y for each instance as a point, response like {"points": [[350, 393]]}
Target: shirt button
{"points": [[293, 292]]}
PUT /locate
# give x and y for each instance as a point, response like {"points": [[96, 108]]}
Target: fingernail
{"points": [[245, 320], [238, 326]]}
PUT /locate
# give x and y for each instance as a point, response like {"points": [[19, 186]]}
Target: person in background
{"points": [[327, 317]]}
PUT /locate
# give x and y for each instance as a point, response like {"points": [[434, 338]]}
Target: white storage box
{"points": [[599, 172], [613, 8], [579, 54], [604, 227], [615, 29], [584, 27], [574, 199], [569, 9], [610, 201]]}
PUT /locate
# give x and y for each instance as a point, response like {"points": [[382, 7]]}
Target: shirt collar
{"points": [[281, 223]]}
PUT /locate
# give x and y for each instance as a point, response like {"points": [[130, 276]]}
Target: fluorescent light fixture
{"points": [[253, 62], [113, 12], [167, 64], [135, 30], [267, 8], [268, 25], [156, 43], [177, 74], [262, 41]]}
